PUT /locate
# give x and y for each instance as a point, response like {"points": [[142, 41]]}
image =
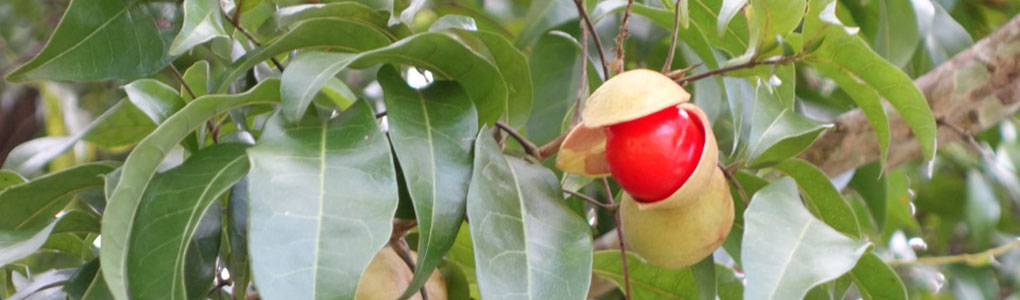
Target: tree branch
{"points": [[594, 36], [972, 258], [990, 93], [621, 37]]}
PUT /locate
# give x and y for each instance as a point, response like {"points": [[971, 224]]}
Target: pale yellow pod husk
{"points": [[631, 95], [387, 276], [677, 237]]}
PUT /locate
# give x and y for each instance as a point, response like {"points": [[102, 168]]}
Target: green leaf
{"points": [[141, 166], [543, 16], [168, 218], [30, 157], [442, 54], [432, 131], [861, 72], [155, 99], [897, 34], [646, 281], [76, 220], [823, 199], [513, 206], [197, 77], [87, 283], [555, 67], [943, 36], [729, 9], [202, 22], [777, 132], [348, 10], [982, 209], [729, 286], [704, 274], [105, 39], [237, 235], [463, 255], [869, 183], [792, 250], [876, 280], [125, 126], [323, 195], [10, 178], [516, 75], [447, 22], [336, 34], [27, 210]]}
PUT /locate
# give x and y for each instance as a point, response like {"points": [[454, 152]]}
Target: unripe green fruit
{"points": [[387, 276]]}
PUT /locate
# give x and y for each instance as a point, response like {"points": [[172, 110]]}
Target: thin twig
{"points": [[750, 64], [621, 37], [582, 86], [236, 20], [213, 129], [529, 147], [400, 246], [966, 257], [736, 184], [967, 136], [672, 42], [380, 114], [591, 200], [619, 234], [251, 38], [591, 28], [552, 147]]}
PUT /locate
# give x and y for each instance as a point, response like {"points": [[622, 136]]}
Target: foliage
{"points": [[302, 138]]}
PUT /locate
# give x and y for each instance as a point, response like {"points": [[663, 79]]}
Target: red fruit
{"points": [[653, 156]]}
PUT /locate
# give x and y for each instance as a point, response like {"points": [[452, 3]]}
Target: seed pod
{"points": [[691, 222]]}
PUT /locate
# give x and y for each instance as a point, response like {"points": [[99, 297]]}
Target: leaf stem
{"points": [[529, 147], [724, 70], [966, 257], [609, 207], [736, 184], [621, 37], [967, 136], [400, 246], [591, 28], [619, 234], [672, 41], [250, 36]]}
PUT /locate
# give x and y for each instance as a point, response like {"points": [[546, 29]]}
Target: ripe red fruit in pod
{"points": [[653, 156]]}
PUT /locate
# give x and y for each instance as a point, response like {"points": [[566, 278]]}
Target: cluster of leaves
{"points": [[297, 133]]}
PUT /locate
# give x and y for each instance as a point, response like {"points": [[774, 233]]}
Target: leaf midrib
{"points": [[89, 36]]}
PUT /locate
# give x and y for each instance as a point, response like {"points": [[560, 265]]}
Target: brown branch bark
{"points": [[974, 90]]}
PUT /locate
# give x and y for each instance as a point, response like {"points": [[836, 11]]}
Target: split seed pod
{"points": [[693, 221], [387, 276]]}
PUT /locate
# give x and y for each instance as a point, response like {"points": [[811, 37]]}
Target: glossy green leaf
{"points": [[76, 220], [728, 285], [437, 52], [513, 65], [527, 241], [336, 34], [543, 16], [981, 210], [348, 10], [848, 60], [197, 77], [127, 125], [237, 235], [871, 185], [10, 178], [132, 35], [87, 283], [646, 281], [141, 166], [823, 200], [156, 99], [792, 250], [168, 218], [323, 194], [30, 157], [897, 34], [432, 131], [202, 22], [778, 132], [463, 255], [555, 63], [704, 278], [27, 210], [448, 22], [876, 280], [45, 285]]}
